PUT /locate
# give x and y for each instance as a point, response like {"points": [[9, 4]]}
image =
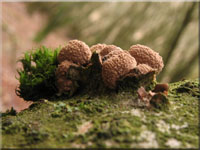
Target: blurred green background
{"points": [[168, 28]]}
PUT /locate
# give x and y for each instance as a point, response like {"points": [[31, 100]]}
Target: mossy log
{"points": [[111, 121]]}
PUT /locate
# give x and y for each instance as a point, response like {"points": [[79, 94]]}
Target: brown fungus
{"points": [[116, 67], [76, 51], [112, 54], [145, 55], [163, 88], [108, 49], [62, 68], [144, 69], [62, 82], [64, 85], [97, 48]]}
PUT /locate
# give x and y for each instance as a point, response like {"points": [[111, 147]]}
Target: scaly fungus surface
{"points": [[144, 69], [116, 67], [145, 55], [107, 49], [111, 54], [76, 51], [97, 48]]}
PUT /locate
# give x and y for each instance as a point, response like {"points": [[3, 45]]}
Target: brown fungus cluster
{"points": [[115, 64]]}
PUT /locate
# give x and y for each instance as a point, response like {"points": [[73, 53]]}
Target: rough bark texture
{"points": [[113, 120]]}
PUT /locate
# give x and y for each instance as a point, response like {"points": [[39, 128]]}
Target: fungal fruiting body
{"points": [[116, 67], [162, 88], [107, 49], [76, 51], [145, 55], [114, 64], [97, 48], [144, 69], [112, 54], [63, 83], [63, 67]]}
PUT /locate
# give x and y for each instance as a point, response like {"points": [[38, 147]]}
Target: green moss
{"points": [[37, 77], [12, 112], [116, 121]]}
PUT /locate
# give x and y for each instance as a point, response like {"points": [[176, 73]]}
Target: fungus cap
{"points": [[145, 55], [76, 51], [108, 49], [97, 48], [63, 68], [144, 69], [116, 67], [112, 54]]}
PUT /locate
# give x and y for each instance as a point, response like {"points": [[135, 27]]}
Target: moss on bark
{"points": [[114, 121]]}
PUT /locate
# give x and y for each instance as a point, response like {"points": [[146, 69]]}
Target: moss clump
{"points": [[37, 77], [189, 87]]}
